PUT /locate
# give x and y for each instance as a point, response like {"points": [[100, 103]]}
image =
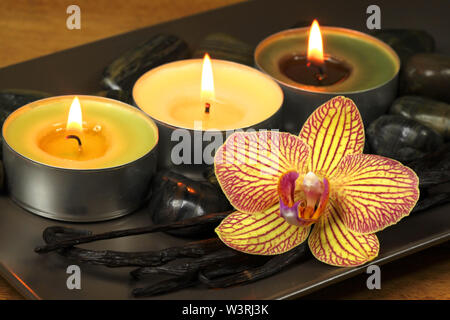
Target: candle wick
{"points": [[321, 74], [207, 107], [72, 136]]}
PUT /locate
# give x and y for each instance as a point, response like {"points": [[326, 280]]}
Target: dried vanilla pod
{"points": [[255, 269], [166, 286], [185, 267], [209, 261], [274, 265], [115, 259], [87, 238], [123, 72], [431, 200], [234, 265], [433, 168]]}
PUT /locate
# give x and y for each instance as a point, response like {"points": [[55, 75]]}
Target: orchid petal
{"points": [[263, 233], [333, 130], [373, 192], [332, 243], [286, 187], [248, 167]]}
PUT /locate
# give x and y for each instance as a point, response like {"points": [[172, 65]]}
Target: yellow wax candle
{"points": [[172, 94], [108, 134]]}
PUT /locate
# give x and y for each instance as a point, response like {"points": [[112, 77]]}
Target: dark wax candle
{"points": [[299, 69]]}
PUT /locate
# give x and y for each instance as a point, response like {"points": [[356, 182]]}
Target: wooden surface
{"points": [[29, 29]]}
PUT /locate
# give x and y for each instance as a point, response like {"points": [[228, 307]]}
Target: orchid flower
{"points": [[283, 185]]}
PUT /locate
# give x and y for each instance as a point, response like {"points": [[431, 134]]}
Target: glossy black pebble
{"points": [[402, 139], [176, 198], [429, 112], [225, 47], [120, 95], [123, 72], [428, 74], [12, 99], [406, 42]]}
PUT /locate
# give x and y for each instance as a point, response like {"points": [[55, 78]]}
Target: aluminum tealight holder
{"points": [[372, 81], [196, 168], [79, 195]]}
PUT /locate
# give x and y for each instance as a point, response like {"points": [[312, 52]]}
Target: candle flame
{"points": [[75, 120], [315, 45], [207, 93]]}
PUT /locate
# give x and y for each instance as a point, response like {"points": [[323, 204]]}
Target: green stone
{"points": [[427, 74], [406, 42], [225, 47], [429, 112]]}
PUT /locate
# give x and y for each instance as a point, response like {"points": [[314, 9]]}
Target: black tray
{"points": [[78, 71]]}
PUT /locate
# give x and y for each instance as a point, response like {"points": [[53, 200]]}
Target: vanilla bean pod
{"points": [[184, 268], [58, 233], [274, 265], [434, 168], [212, 218], [432, 201], [234, 265], [228, 266], [166, 286], [115, 259], [242, 275]]}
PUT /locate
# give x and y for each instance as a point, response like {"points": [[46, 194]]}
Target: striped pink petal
{"points": [[373, 192], [248, 167], [262, 233], [332, 243], [334, 130]]}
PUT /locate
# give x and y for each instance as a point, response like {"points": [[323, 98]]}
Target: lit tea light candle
{"points": [[314, 68], [312, 65], [97, 133], [85, 143], [207, 98], [88, 158]]}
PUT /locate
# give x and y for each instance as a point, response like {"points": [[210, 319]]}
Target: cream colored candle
{"points": [[172, 94]]}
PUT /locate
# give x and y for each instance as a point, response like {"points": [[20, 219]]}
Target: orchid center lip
{"points": [[302, 212]]}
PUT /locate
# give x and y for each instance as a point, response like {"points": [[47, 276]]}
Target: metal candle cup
{"points": [[371, 83], [244, 99], [81, 193]]}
